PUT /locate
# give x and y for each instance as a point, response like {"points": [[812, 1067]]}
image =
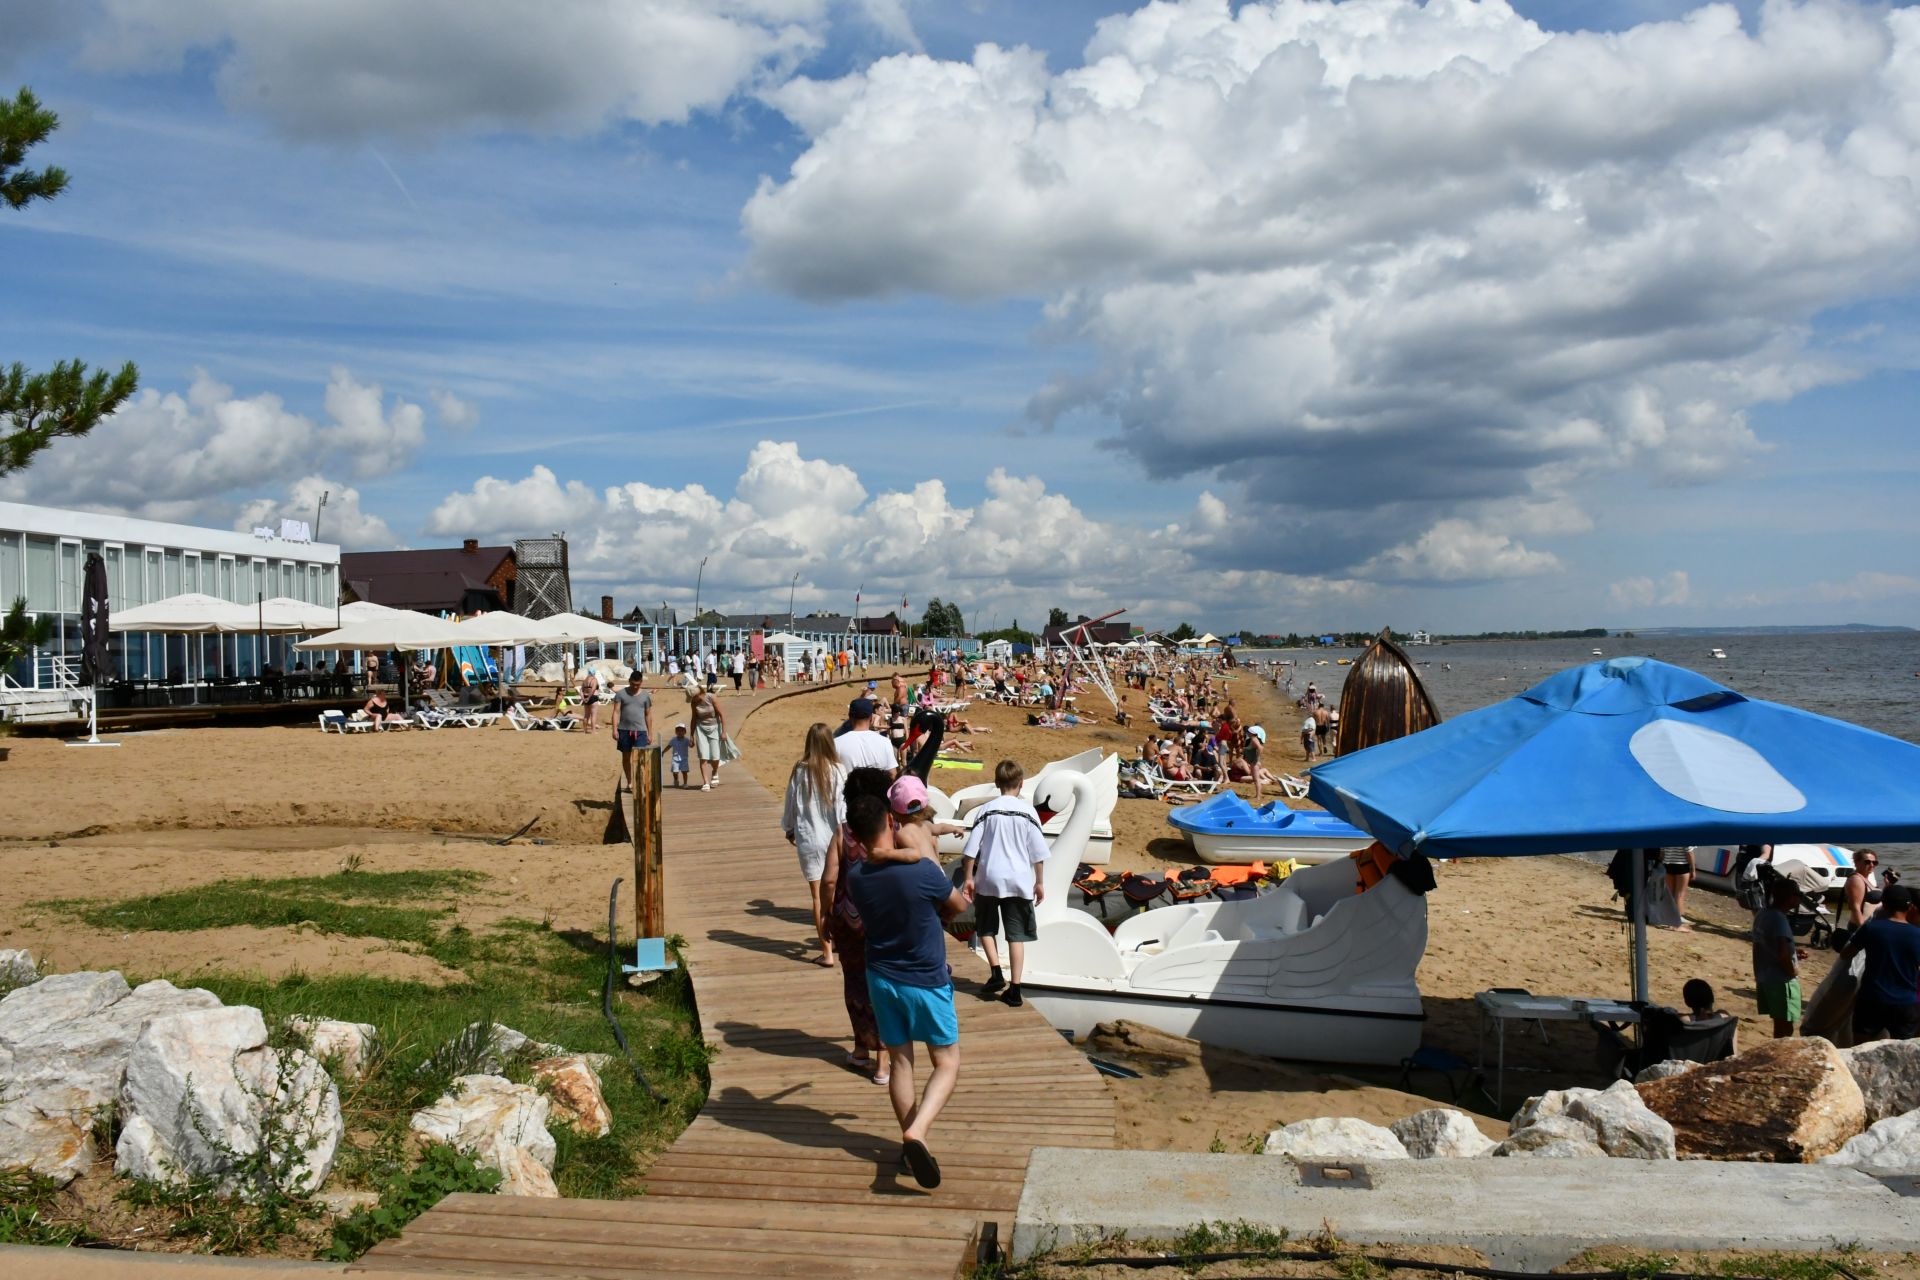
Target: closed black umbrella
{"points": [[96, 658]]}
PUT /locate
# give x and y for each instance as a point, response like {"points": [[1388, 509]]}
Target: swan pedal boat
{"points": [[1226, 829], [1102, 768], [1317, 970]]}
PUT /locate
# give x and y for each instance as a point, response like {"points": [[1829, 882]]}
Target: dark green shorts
{"points": [[1016, 913]]}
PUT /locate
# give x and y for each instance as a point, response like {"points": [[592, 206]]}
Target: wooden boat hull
{"points": [[1383, 698]]}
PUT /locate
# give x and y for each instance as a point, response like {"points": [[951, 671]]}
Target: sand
{"points": [[173, 809]]}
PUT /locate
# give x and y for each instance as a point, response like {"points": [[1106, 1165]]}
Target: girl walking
{"points": [[811, 819]]}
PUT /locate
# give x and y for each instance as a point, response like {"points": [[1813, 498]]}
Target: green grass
{"points": [[361, 904], [540, 981], [26, 1212]]}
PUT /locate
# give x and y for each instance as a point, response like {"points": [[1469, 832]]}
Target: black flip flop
{"points": [[925, 1169]]}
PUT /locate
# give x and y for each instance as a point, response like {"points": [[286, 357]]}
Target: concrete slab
{"points": [[1524, 1214]]}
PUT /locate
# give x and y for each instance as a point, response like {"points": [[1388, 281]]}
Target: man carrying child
{"points": [[1004, 857]]}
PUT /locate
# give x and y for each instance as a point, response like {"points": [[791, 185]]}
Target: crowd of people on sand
{"points": [[857, 812]]}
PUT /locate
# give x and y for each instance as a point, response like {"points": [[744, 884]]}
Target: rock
{"points": [[1545, 1106], [341, 1202], [1890, 1146], [573, 1091], [17, 969], [502, 1125], [1664, 1070], [1440, 1132], [505, 1044], [64, 1044], [348, 1045], [1335, 1138], [1554, 1136], [1622, 1124], [1787, 1101], [203, 1091], [1888, 1073]]}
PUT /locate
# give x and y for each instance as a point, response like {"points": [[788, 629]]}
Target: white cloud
{"points": [[1869, 586], [1642, 593], [361, 68], [1417, 262], [455, 414], [195, 457], [341, 521], [1020, 550]]}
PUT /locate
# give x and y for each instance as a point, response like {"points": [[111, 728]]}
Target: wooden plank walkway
{"points": [[791, 1168]]}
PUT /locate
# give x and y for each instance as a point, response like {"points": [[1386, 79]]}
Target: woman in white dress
{"points": [[812, 816]]}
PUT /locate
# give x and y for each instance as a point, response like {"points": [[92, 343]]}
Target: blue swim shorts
{"points": [[630, 739], [904, 1014]]}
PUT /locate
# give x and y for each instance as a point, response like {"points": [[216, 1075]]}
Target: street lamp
{"points": [[696, 589], [791, 586]]}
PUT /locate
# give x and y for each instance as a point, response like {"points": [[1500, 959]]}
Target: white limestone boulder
{"points": [[64, 1045], [1440, 1133], [573, 1092], [503, 1044], [1335, 1138], [1622, 1124], [17, 968], [1545, 1106], [1552, 1137], [1664, 1070], [1890, 1146], [203, 1091], [1888, 1073], [502, 1125], [349, 1046]]}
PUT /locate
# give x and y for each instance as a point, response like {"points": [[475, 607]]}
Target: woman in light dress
{"points": [[811, 819]]}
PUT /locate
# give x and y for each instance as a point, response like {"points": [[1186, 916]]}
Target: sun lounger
{"points": [[1163, 786], [1293, 788], [517, 717], [341, 723]]}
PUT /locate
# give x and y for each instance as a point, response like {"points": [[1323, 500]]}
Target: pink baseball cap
{"points": [[907, 796]]}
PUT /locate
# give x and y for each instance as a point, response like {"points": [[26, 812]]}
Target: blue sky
{"points": [[542, 283]]}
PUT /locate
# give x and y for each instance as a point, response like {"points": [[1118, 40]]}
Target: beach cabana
{"points": [[1628, 753]]}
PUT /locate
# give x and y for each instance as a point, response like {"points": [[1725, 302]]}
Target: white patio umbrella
{"points": [[403, 630], [365, 611], [285, 615], [499, 628], [563, 628], [189, 614]]}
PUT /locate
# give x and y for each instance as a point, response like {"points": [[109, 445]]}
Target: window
{"points": [[116, 583], [42, 572], [69, 577], [170, 560], [227, 585], [12, 569], [190, 579]]}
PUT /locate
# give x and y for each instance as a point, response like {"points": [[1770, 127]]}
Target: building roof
{"points": [[450, 578], [1101, 632]]}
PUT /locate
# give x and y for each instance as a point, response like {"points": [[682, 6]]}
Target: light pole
{"points": [[791, 587], [698, 578]]}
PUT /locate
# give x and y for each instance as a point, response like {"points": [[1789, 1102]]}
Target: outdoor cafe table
{"points": [[1498, 1008]]}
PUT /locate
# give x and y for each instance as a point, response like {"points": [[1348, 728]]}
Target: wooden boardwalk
{"points": [[792, 1166]]}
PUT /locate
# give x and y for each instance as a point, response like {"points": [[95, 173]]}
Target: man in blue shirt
{"points": [[1889, 999], [904, 905]]}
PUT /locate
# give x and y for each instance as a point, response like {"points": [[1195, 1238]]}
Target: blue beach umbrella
{"points": [[1627, 753]]}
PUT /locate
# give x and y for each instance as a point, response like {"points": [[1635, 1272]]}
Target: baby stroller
{"points": [[1810, 920]]}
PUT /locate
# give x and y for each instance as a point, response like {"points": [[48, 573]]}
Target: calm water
{"points": [[1867, 678]]}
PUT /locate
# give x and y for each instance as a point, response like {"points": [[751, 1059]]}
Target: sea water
{"points": [[1869, 678]]}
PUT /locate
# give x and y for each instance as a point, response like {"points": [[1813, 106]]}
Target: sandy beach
{"points": [[171, 810]]}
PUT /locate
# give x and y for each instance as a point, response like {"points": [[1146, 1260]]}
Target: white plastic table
{"points": [[1498, 1008]]}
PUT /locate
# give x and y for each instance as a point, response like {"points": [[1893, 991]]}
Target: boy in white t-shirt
{"points": [[1005, 858]]}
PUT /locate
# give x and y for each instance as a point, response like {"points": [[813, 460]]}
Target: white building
{"points": [[43, 555]]}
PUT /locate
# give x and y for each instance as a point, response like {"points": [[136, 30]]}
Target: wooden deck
{"points": [[792, 1166]]}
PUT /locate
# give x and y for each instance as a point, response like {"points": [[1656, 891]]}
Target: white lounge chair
{"points": [[1162, 786], [341, 723], [517, 717], [1294, 788]]}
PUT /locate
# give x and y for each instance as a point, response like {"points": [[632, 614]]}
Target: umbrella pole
{"points": [[1639, 928]]}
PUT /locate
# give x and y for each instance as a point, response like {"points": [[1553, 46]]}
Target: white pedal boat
{"points": [[1824, 863], [1315, 970], [1226, 829]]}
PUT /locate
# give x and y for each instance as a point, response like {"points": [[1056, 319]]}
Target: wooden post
{"points": [[649, 874]]}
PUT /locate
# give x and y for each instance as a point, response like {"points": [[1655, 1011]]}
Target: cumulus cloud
{"points": [[1869, 586], [350, 69], [1018, 551], [1417, 262], [1642, 593], [195, 457], [455, 414], [342, 521]]}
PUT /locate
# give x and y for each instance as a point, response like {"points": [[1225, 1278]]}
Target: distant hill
{"points": [[1822, 629]]}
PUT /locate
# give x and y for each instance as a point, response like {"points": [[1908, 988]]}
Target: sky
{"points": [[1284, 315]]}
